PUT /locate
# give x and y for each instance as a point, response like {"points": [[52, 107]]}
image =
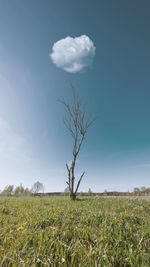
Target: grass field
{"points": [[89, 232]]}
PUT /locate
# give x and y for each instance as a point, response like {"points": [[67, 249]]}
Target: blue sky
{"points": [[34, 144]]}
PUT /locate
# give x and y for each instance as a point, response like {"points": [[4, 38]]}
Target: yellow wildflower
{"points": [[119, 224], [53, 228], [20, 228]]}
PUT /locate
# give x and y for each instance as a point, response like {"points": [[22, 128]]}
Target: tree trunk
{"points": [[73, 196]]}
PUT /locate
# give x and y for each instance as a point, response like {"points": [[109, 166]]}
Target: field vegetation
{"points": [[54, 231]]}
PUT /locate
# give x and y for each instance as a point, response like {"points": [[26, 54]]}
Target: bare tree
{"points": [[77, 121], [37, 187]]}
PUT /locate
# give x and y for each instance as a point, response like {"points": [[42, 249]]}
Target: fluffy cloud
{"points": [[73, 54]]}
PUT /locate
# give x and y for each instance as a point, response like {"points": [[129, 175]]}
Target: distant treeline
{"points": [[143, 191], [38, 190], [20, 190]]}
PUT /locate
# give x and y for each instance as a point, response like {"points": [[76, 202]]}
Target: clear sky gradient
{"points": [[34, 144]]}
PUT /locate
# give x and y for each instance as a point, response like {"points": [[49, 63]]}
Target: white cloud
{"points": [[73, 54]]}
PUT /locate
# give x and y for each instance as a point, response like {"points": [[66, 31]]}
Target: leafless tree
{"points": [[77, 121], [37, 187]]}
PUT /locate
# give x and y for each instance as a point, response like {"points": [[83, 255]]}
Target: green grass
{"points": [[88, 232]]}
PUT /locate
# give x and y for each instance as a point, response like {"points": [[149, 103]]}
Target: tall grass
{"points": [[89, 232]]}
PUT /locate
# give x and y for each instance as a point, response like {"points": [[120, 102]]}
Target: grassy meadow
{"points": [[54, 231]]}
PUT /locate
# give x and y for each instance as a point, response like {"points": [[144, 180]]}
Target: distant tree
{"points": [[136, 191], [147, 191], [105, 192], [27, 192], [90, 192], [37, 187], [77, 121], [8, 190], [66, 191], [18, 190], [143, 188], [21, 191]]}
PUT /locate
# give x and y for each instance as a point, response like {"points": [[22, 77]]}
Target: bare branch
{"points": [[79, 146], [79, 182], [69, 128], [67, 167], [69, 178]]}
